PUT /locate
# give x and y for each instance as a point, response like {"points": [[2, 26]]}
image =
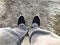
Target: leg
{"points": [[39, 36], [15, 36]]}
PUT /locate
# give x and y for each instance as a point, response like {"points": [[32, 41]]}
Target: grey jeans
{"points": [[38, 36], [9, 36]]}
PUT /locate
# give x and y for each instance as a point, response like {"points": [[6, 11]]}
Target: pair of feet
{"points": [[36, 20]]}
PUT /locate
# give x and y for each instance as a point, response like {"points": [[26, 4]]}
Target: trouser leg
{"points": [[35, 32], [21, 32], [39, 36], [13, 36]]}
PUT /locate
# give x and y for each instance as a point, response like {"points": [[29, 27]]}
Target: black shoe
{"points": [[21, 20], [36, 20]]}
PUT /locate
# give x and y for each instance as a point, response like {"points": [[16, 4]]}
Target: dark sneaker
{"points": [[36, 20], [21, 20]]}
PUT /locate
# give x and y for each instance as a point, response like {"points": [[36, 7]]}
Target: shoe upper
{"points": [[21, 20], [36, 20]]}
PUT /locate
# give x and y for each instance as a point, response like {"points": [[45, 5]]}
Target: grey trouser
{"points": [[9, 36], [37, 36]]}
